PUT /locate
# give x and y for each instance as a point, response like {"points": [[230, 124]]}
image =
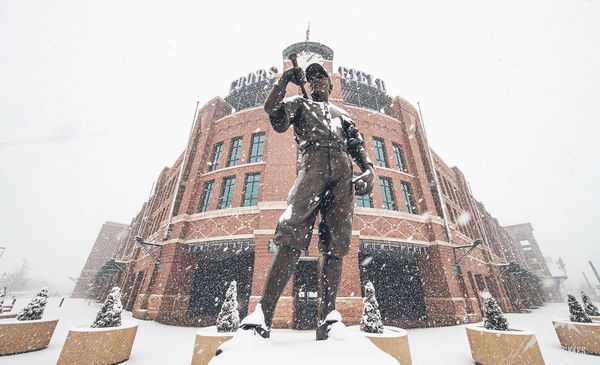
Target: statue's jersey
{"points": [[325, 135], [321, 125]]}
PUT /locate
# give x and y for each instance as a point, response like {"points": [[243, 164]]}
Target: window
{"points": [[271, 247], [380, 159], [234, 151], [250, 197], [226, 192], [453, 193], [364, 201], [399, 157], [256, 148], [387, 194], [447, 186], [216, 156], [449, 210], [441, 182], [206, 195], [408, 198]]}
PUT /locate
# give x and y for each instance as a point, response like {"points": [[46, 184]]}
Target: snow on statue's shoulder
{"points": [[292, 347]]}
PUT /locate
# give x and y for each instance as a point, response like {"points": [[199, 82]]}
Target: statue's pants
{"points": [[323, 184]]}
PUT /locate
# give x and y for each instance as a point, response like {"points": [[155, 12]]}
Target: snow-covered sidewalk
{"points": [[449, 345], [160, 344]]}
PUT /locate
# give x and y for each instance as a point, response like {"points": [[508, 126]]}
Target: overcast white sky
{"points": [[97, 97]]}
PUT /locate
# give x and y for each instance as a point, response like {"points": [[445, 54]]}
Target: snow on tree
{"points": [[2, 296], [371, 318], [110, 313], [577, 313], [589, 307], [493, 317], [228, 319], [35, 308]]}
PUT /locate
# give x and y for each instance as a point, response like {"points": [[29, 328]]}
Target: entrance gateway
{"points": [[218, 264], [393, 270], [306, 284]]}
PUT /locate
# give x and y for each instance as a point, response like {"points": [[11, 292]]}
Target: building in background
{"points": [[104, 250], [212, 215], [523, 235], [558, 272]]}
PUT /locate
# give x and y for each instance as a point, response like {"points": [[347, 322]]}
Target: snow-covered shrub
{"points": [[493, 317], [228, 319], [371, 318], [589, 307], [577, 313], [110, 313], [2, 296], [35, 308]]}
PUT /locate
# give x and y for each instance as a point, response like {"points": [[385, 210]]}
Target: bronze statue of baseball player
{"points": [[327, 138]]}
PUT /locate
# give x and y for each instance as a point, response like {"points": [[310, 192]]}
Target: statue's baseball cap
{"points": [[313, 70]]}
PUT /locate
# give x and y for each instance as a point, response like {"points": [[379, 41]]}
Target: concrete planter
{"points": [[24, 336], [393, 341], [207, 342], [514, 347], [579, 337], [98, 346], [595, 318], [8, 315]]}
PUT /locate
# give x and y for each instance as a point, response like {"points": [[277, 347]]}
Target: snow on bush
{"points": [[493, 317], [35, 308], [110, 313], [228, 319], [589, 307], [2, 296], [371, 318], [577, 313]]}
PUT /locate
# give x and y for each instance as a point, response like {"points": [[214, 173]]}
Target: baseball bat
{"points": [[294, 58]]}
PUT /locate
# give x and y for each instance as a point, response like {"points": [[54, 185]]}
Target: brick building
{"points": [[212, 216], [522, 234], [105, 248]]}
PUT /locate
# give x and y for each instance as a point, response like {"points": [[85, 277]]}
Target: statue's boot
{"points": [[282, 268], [330, 279], [255, 321], [324, 327]]}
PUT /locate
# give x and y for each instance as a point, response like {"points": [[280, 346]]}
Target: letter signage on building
{"points": [[250, 91], [362, 89], [361, 77], [253, 78]]}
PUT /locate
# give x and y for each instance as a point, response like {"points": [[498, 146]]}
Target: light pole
{"points": [[470, 248], [140, 240]]}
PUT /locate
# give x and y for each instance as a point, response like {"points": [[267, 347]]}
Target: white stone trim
{"points": [[261, 232], [377, 212], [216, 214], [232, 168], [395, 171], [394, 239], [272, 205], [281, 205], [219, 238]]}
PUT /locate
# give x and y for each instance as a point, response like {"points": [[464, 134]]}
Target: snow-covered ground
{"points": [[289, 347], [161, 344]]}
